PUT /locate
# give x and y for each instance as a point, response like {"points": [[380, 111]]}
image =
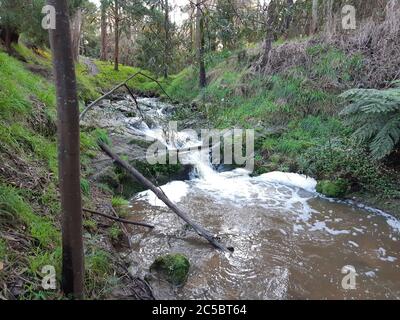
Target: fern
{"points": [[375, 114]]}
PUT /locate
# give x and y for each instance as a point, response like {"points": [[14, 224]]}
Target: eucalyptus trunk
{"points": [[68, 153]]}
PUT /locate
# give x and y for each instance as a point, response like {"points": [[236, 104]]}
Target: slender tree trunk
{"points": [[103, 52], [76, 32], [167, 40], [116, 35], [289, 16], [200, 45], [68, 153], [9, 35], [270, 34], [329, 17], [314, 21]]}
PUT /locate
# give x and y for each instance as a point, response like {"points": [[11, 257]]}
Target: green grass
{"points": [[17, 86], [14, 209], [115, 233], [119, 202], [3, 249]]}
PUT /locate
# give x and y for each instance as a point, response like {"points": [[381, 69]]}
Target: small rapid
{"points": [[290, 242]]}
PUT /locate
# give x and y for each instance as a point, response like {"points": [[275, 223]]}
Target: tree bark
{"points": [[103, 52], [314, 21], [9, 36], [289, 16], [116, 35], [167, 40], [329, 17], [76, 32], [200, 44], [270, 35], [68, 153]]}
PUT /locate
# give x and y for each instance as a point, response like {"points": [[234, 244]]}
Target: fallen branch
{"points": [[161, 195], [122, 84], [122, 226], [141, 224]]}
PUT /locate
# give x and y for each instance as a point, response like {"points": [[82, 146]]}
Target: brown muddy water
{"points": [[289, 242]]}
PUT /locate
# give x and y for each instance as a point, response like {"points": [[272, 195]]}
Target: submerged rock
{"points": [[333, 189], [173, 267]]}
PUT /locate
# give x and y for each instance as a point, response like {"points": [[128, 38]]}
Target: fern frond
{"points": [[375, 114], [385, 141]]}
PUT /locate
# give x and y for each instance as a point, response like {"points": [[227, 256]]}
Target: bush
{"points": [[333, 189]]}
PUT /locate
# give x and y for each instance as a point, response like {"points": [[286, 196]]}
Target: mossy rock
{"points": [[174, 267], [333, 189]]}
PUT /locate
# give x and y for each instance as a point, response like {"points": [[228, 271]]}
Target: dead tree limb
{"points": [[141, 224], [122, 84], [145, 182], [122, 226]]}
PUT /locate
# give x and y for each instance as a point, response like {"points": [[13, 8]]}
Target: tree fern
{"points": [[375, 114]]}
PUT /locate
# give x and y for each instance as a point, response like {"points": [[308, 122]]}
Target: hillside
{"points": [[29, 199], [294, 104]]}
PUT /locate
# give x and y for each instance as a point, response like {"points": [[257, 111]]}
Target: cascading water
{"points": [[290, 243]]}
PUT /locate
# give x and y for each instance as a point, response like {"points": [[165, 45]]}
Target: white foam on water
{"points": [[291, 180], [321, 226], [175, 191]]}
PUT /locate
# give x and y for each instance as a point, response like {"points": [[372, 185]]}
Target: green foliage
{"points": [[333, 64], [183, 86], [90, 225], [98, 280], [375, 114], [174, 267], [115, 233], [85, 187], [40, 258], [17, 86], [333, 189], [342, 159], [117, 202], [14, 209], [3, 249]]}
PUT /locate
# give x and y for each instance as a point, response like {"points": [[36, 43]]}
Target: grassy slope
{"points": [[29, 205], [295, 113]]}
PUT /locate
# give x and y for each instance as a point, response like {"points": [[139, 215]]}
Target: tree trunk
{"points": [[314, 21], [269, 39], [76, 31], [103, 52], [9, 36], [116, 36], [68, 153], [329, 18], [166, 44], [200, 45], [289, 16]]}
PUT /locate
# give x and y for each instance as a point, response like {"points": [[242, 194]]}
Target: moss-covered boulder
{"points": [[173, 267], [333, 189]]}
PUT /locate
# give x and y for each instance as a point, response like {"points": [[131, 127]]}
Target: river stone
{"points": [[173, 267], [333, 189]]}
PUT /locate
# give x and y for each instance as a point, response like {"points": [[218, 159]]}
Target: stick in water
{"points": [[145, 182]]}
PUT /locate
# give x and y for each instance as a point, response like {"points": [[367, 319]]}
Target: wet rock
{"points": [[333, 189], [173, 267]]}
